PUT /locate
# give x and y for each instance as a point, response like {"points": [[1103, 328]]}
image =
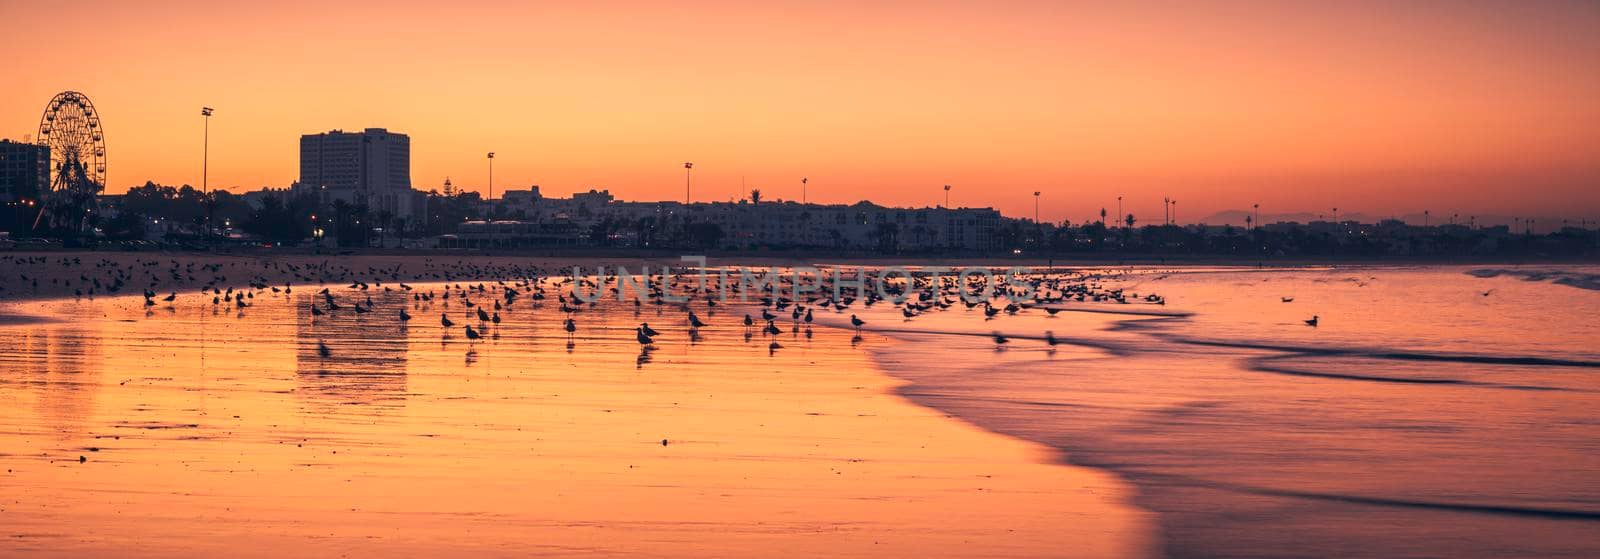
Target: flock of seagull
{"points": [[484, 301]]}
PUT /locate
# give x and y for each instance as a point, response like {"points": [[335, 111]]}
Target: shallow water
{"points": [[1431, 413], [228, 433]]}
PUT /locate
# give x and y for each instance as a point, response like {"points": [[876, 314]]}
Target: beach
{"points": [[1428, 411], [183, 429]]}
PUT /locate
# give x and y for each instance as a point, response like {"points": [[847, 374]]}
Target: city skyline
{"points": [[1462, 108]]}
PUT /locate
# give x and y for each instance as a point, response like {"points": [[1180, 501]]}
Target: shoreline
{"points": [[280, 268]]}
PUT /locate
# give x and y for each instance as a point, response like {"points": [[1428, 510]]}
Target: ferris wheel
{"points": [[70, 127]]}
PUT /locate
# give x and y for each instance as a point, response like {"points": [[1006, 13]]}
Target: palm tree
{"points": [[755, 196], [1102, 215]]}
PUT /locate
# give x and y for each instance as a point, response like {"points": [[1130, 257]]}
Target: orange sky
{"points": [[1378, 107]]}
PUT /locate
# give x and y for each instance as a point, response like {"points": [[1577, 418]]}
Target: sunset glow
{"points": [[1384, 108]]}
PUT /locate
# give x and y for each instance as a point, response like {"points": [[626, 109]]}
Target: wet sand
{"points": [[1434, 412], [189, 431]]}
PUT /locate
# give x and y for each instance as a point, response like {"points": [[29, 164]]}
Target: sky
{"points": [[1380, 107]]}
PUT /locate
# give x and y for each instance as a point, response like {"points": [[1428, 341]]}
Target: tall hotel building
{"points": [[373, 165]]}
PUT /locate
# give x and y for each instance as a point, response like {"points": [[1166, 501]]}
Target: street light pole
{"points": [[803, 181], [947, 196], [491, 175], [1119, 210], [205, 164], [1035, 207], [687, 168]]}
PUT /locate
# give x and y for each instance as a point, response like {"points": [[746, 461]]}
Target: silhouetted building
{"points": [[24, 177], [372, 166]]}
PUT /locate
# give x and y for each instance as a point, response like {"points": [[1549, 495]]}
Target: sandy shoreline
{"points": [[523, 445]]}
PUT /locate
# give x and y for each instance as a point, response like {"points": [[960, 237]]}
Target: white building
{"points": [[371, 166]]}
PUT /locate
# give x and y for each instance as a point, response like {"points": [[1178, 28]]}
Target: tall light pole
{"points": [[687, 166], [205, 163], [947, 196], [1119, 209], [491, 175], [1166, 211], [1035, 207], [803, 190], [1174, 212]]}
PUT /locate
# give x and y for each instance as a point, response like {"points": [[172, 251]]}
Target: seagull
{"points": [[694, 321], [644, 339], [322, 349], [1312, 321], [472, 334], [571, 327], [404, 316], [314, 310], [648, 331], [856, 322], [445, 320], [1288, 299], [1000, 341]]}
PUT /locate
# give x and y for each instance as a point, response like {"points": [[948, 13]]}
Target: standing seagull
{"points": [[856, 322], [445, 321]]}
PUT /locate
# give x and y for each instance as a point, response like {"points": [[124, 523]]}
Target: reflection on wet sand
{"points": [[352, 358], [58, 370], [230, 434]]}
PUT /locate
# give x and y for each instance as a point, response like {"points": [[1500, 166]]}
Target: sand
{"points": [[224, 432]]}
